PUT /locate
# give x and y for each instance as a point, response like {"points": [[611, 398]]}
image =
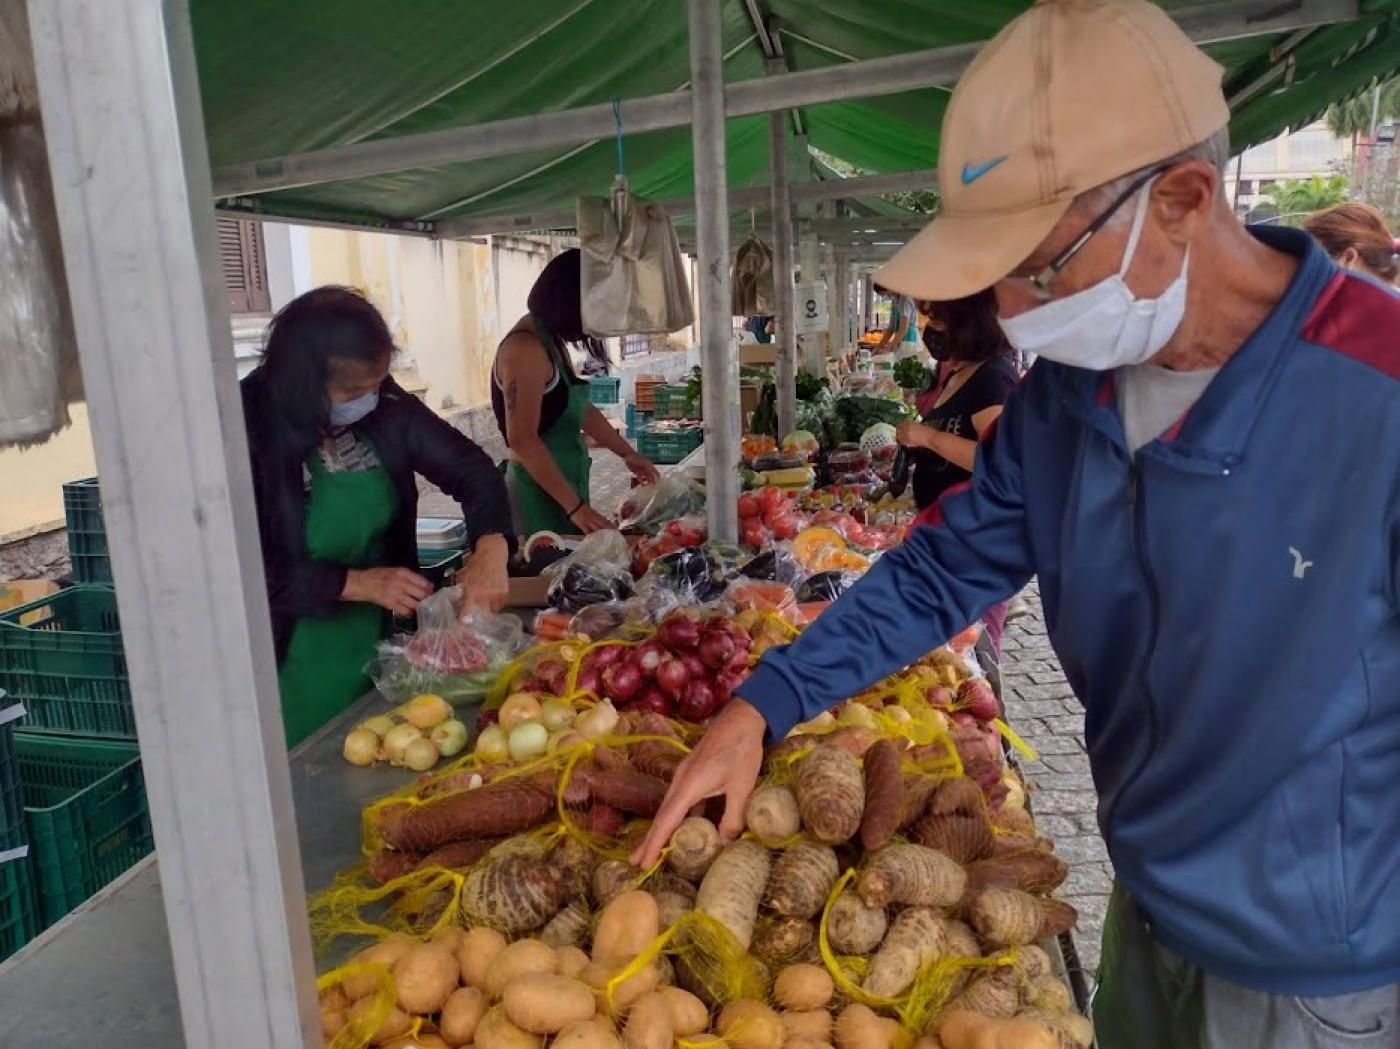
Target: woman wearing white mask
{"points": [[335, 445]]}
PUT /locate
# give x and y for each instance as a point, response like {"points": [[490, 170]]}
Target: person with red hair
{"points": [[1356, 237]]}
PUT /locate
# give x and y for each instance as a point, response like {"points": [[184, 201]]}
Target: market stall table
{"points": [[104, 973]]}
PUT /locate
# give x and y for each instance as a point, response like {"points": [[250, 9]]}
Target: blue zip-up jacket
{"points": [[1224, 604]]}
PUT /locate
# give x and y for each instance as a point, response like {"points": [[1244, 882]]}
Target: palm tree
{"points": [[1301, 197], [1352, 118]]}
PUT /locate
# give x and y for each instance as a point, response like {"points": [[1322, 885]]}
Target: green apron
{"points": [[534, 508], [324, 672]]}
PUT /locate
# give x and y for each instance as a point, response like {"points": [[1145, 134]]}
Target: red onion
{"points": [[939, 697], [552, 674], [487, 718], [962, 717], [622, 681], [608, 655], [725, 685], [978, 699], [671, 676], [648, 656], [694, 666], [656, 701], [716, 649], [698, 702], [588, 681], [678, 631]]}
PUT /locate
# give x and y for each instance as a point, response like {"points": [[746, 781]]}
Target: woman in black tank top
{"points": [[543, 410]]}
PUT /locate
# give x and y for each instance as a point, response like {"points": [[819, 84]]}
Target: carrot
{"points": [[506, 807], [884, 793], [801, 879], [830, 794]]}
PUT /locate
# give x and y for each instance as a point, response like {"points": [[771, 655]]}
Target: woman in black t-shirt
{"points": [[975, 374]]}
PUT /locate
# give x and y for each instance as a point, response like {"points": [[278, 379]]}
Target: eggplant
{"points": [[578, 588], [899, 473], [693, 570], [824, 586], [772, 566]]}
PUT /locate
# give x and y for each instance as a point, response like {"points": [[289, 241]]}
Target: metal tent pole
{"points": [[718, 358], [121, 109], [780, 209]]}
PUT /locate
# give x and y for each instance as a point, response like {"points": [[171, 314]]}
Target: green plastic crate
{"points": [[668, 447], [87, 532], [671, 403], [19, 920], [86, 816], [11, 796], [68, 668], [604, 389], [635, 420]]}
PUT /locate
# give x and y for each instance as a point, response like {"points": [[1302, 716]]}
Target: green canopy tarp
{"points": [[280, 78]]}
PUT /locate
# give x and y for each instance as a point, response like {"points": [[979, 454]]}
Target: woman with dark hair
{"points": [[543, 410], [334, 445], [975, 374], [1356, 237]]}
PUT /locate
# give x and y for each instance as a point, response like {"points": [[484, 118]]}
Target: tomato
{"points": [[771, 499], [691, 536], [784, 527], [754, 535], [666, 544], [749, 506], [675, 529]]}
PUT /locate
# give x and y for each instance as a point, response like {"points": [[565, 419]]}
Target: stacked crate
{"points": [[70, 766]]}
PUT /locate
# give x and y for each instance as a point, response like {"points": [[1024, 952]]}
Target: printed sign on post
{"points": [[811, 308]]}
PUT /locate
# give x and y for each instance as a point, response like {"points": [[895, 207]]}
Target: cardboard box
{"points": [[748, 400], [758, 354], [527, 592], [22, 592]]}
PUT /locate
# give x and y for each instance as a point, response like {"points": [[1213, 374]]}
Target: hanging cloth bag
{"points": [[633, 278], [751, 281]]}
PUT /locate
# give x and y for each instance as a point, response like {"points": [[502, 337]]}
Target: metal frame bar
{"points": [[717, 356], [746, 197], [126, 144], [780, 214], [1204, 23]]}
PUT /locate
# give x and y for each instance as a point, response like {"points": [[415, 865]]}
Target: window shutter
{"points": [[244, 265]]}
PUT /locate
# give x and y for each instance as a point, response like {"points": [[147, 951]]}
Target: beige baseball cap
{"points": [[1070, 95]]}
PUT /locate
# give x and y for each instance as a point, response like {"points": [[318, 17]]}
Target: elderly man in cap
{"points": [[1203, 470]]}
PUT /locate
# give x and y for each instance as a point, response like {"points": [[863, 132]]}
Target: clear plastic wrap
{"points": [[673, 497], [693, 575], [599, 571], [456, 655]]}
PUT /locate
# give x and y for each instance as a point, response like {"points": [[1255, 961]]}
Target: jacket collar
{"points": [[1213, 437]]}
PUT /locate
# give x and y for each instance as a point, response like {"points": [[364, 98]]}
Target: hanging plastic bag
{"points": [[452, 654], [38, 350], [751, 280], [599, 571], [673, 497], [633, 276]]}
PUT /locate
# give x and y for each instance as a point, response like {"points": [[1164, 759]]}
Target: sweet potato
{"points": [[830, 794], [915, 938], [545, 1003], [694, 846], [1032, 870], [962, 838], [748, 1024], [629, 791], [919, 787], [568, 928], [457, 855], [801, 879], [1006, 917], [961, 1029], [782, 941], [387, 864], [884, 793], [625, 928], [802, 987], [514, 894], [733, 888], [852, 927], [911, 875], [772, 814], [496, 809]]}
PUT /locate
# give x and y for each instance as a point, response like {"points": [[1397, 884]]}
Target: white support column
{"points": [[785, 335], [809, 254], [718, 358], [841, 318], [121, 109]]}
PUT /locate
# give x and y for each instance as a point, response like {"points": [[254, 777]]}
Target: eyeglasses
{"points": [[1039, 283]]}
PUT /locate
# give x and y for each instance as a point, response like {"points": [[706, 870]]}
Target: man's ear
{"points": [[1183, 196]]}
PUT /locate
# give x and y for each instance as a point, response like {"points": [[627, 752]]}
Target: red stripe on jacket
{"points": [[1359, 319]]}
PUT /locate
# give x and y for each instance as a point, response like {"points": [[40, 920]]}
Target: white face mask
{"points": [[347, 413], [1104, 326]]}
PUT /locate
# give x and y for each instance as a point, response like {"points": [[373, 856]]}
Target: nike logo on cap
{"points": [[972, 172]]}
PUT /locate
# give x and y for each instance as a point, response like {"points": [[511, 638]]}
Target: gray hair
{"points": [[1214, 151]]}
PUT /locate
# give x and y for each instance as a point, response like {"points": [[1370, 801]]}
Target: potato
{"points": [[385, 953], [966, 1030], [688, 1013], [396, 1023], [543, 1003], [800, 987], [648, 1024], [806, 1025], [463, 1011], [425, 1040], [748, 1024], [620, 997], [451, 935], [626, 927], [858, 1027], [806, 1043], [497, 1032], [590, 1034], [519, 958], [572, 960], [476, 952], [424, 977]]}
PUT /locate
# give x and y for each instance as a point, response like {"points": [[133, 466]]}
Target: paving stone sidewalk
{"points": [[1041, 707]]}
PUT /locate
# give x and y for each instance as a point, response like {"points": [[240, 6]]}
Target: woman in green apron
{"points": [[544, 412], [335, 445]]}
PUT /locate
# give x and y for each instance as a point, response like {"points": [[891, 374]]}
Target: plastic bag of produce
{"points": [[599, 571], [693, 575], [453, 654], [673, 497]]}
